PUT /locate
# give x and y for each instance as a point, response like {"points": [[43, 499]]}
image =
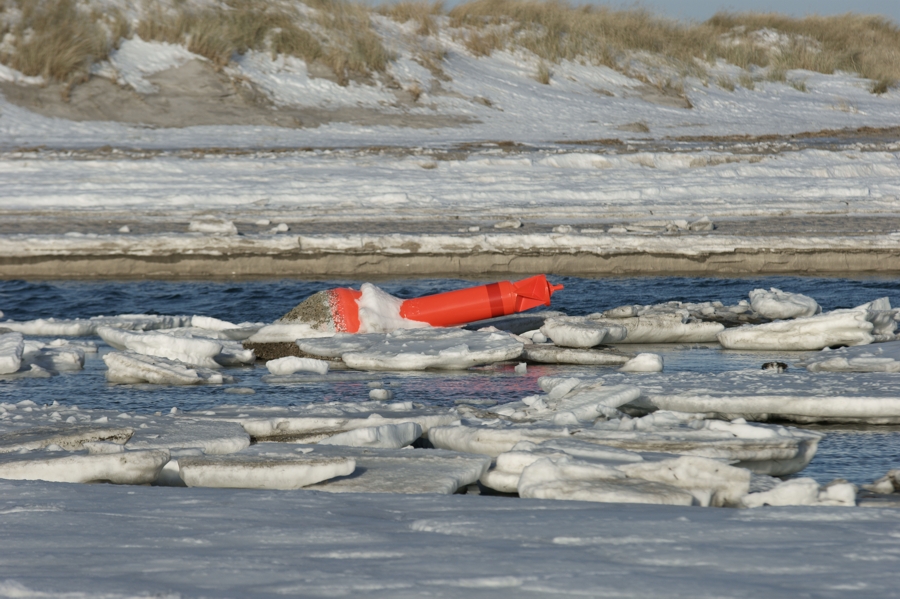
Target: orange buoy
{"points": [[453, 307]]}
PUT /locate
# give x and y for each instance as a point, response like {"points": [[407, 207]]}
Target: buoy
{"points": [[453, 307]]}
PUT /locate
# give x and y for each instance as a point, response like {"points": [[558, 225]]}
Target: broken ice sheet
{"points": [[420, 349], [132, 368], [126, 467]]}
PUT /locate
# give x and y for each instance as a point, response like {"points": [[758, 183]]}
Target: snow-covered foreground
{"points": [[78, 541]]}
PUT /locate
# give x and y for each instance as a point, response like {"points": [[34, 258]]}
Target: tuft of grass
{"points": [[726, 83], [543, 73], [423, 13], [881, 86], [747, 81], [56, 40], [799, 85]]}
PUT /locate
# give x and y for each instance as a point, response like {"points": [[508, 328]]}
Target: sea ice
{"points": [[125, 468], [677, 327], [65, 436], [131, 368], [179, 432], [839, 327], [880, 357], [570, 401], [581, 332], [570, 479], [420, 349], [213, 227], [196, 352], [53, 356], [796, 491], [643, 363], [87, 327], [11, 347], [260, 470], [386, 436], [776, 304], [310, 423], [554, 354], [291, 364]]}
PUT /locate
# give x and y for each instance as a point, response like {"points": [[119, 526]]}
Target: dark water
{"points": [[859, 455]]}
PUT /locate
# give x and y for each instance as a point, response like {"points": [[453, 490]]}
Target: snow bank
{"points": [[386, 436], [131, 368], [136, 59], [292, 364], [124, 468], [445, 349], [776, 304]]}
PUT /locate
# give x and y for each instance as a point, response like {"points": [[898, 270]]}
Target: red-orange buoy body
{"points": [[478, 303], [451, 308]]}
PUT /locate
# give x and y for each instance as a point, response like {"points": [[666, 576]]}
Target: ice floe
{"points": [[286, 333], [546, 353], [313, 422], [580, 332], [131, 368], [839, 327], [87, 327], [803, 491], [764, 449], [291, 364], [643, 363], [676, 327], [261, 470], [125, 467], [11, 347], [880, 357], [71, 437], [776, 304], [385, 436], [420, 349]]}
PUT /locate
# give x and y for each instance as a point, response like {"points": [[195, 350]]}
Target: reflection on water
{"points": [[859, 454]]}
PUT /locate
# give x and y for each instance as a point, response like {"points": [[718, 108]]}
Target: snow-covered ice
{"points": [[125, 468], [644, 362], [577, 332], [446, 349], [385, 436], [838, 327], [11, 347], [880, 357], [261, 470], [776, 304], [292, 364], [130, 368]]}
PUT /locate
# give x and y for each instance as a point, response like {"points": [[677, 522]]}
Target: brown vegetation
{"points": [[60, 39]]}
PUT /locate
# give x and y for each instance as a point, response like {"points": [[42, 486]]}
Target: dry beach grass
{"points": [[60, 39]]}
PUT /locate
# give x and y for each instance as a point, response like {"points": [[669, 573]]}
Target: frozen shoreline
{"points": [[200, 256]]}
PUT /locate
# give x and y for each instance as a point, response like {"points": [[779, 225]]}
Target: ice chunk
{"points": [[575, 331], [570, 479], [446, 349], [796, 491], [56, 356], [880, 357], [181, 432], [643, 363], [213, 227], [126, 468], [311, 423], [839, 327], [67, 437], [711, 482], [777, 304], [196, 352], [571, 401], [11, 347], [261, 470], [130, 368], [52, 327], [675, 327], [286, 333], [292, 364], [386, 436], [889, 483], [553, 354], [381, 395], [838, 493]]}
